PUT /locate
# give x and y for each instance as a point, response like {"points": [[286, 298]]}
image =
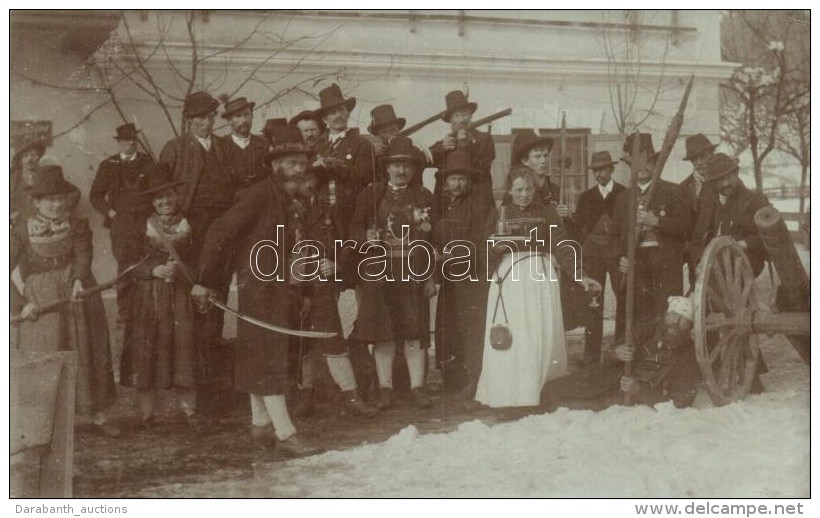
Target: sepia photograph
{"points": [[386, 253]]}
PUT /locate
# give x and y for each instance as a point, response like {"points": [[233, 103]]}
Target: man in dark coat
{"points": [[202, 161], [664, 225], [728, 209], [246, 150], [458, 235], [342, 150], [251, 225], [116, 193], [596, 232], [698, 151], [478, 145], [395, 293], [384, 125]]}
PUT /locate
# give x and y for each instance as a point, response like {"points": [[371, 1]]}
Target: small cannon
{"points": [[729, 318]]}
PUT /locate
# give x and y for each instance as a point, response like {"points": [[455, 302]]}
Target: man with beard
{"points": [[596, 232], [458, 236], [116, 193], [342, 151], [728, 208], [698, 151], [394, 307], [311, 126], [245, 149], [664, 225], [479, 145], [201, 160], [261, 355], [665, 368]]}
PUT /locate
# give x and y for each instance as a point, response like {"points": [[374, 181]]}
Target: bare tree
{"points": [[175, 61], [794, 138], [772, 84], [632, 100]]}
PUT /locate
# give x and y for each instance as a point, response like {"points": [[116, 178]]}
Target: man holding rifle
{"points": [[462, 136], [664, 223]]}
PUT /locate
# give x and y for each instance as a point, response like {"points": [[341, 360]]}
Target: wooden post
{"points": [[638, 160]]}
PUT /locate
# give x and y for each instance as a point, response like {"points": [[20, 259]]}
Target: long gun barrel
{"points": [[491, 118], [406, 132]]}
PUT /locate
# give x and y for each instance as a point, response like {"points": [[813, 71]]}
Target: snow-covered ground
{"points": [[755, 448]]}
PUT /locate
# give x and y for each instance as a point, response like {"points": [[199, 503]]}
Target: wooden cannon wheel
{"points": [[726, 346]]}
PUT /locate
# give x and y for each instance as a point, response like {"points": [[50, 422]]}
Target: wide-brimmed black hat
{"points": [[718, 166], [383, 115], [456, 100], [331, 97], [524, 141], [600, 160], [285, 140], [48, 180], [400, 149], [160, 179], [645, 145], [235, 105], [267, 130], [458, 162], [697, 144], [126, 132], [199, 103], [37, 143]]}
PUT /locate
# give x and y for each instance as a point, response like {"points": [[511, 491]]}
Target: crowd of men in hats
{"points": [[182, 227]]}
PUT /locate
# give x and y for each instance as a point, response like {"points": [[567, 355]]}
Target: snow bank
{"points": [[755, 448]]}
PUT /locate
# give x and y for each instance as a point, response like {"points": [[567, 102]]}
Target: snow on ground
{"points": [[755, 448]]}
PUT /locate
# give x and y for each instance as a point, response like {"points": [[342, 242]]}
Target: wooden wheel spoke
{"points": [[729, 273], [720, 348], [728, 365], [716, 321], [740, 278], [717, 299]]}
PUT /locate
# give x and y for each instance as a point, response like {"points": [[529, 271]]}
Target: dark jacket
{"points": [[357, 154], [118, 185], [672, 207], [594, 227], [737, 218], [248, 164], [185, 156], [261, 355], [462, 219]]}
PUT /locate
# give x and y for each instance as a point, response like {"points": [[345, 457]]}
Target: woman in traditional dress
{"points": [[160, 352], [53, 251], [524, 343]]}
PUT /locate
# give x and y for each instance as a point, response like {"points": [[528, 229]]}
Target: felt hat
{"points": [[285, 140], [600, 160], [126, 132], [199, 103], [458, 162], [235, 105], [267, 130], [524, 141], [400, 149], [718, 166], [697, 144], [456, 100], [645, 145], [48, 180], [37, 143], [383, 115], [331, 97]]}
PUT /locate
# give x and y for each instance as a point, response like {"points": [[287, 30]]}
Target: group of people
{"points": [[242, 204]]}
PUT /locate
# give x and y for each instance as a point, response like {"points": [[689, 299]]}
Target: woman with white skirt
{"points": [[524, 342]]}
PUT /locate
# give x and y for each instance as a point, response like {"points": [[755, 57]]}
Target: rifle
{"points": [[490, 118], [54, 306], [406, 132]]}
